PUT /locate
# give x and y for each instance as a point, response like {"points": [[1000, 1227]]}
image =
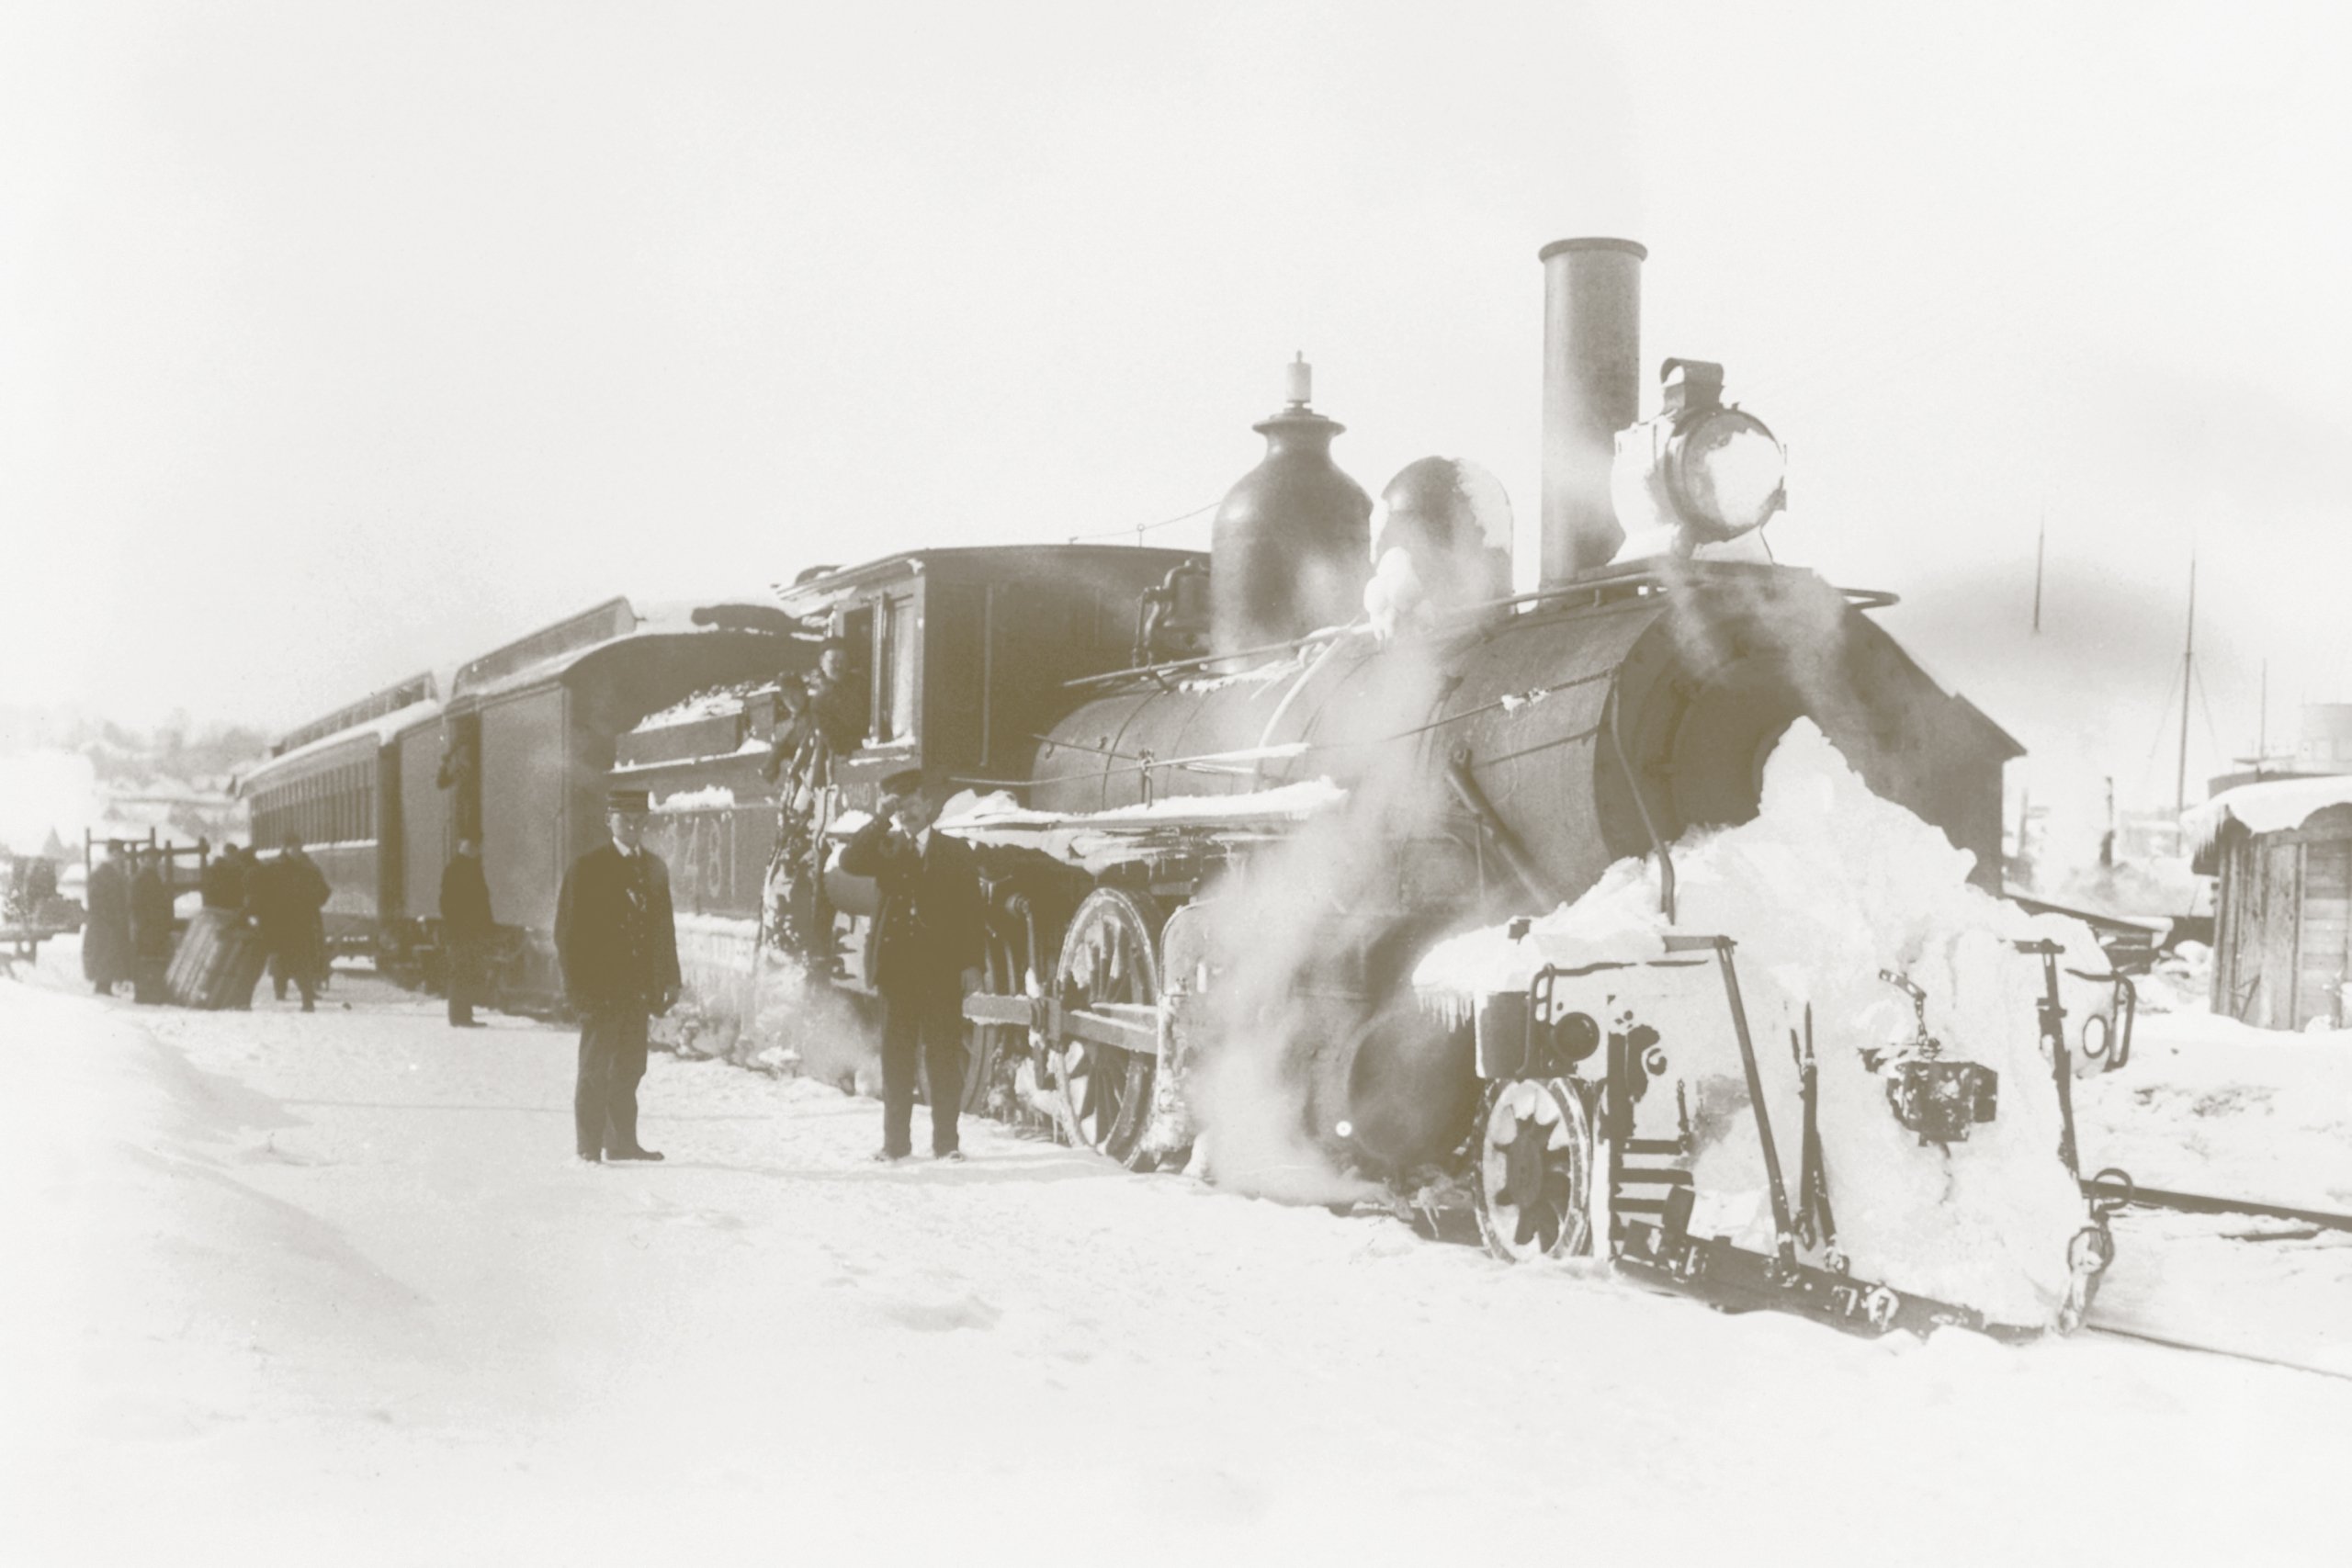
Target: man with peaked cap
{"points": [[927, 954], [619, 947]]}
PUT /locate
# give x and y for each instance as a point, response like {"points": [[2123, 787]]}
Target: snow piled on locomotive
{"points": [[1828, 887]]}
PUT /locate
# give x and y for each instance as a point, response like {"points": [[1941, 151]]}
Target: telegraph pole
{"points": [[2040, 538], [2187, 691]]}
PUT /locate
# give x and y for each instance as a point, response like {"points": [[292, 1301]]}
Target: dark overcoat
{"points": [[286, 894], [465, 900], [287, 898], [224, 882], [106, 952], [151, 914], [932, 925], [614, 934]]}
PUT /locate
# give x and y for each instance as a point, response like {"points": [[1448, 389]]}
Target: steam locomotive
{"points": [[1215, 800]]}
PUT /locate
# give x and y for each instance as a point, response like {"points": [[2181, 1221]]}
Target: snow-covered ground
{"points": [[329, 1289]]}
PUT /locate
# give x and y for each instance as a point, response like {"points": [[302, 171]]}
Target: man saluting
{"points": [[927, 956], [619, 953]]}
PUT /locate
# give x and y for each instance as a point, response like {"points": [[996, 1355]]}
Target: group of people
{"points": [[128, 932], [617, 943], [615, 930]]}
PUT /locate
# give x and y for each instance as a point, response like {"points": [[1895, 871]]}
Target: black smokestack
{"points": [[1592, 352]]}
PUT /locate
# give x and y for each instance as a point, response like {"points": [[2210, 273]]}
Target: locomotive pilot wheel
{"points": [[1534, 1167], [1110, 962]]}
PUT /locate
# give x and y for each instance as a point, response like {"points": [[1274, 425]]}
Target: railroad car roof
{"points": [[553, 650], [376, 705], [378, 729], [819, 593]]}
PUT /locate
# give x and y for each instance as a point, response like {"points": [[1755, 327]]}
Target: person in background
{"points": [[798, 766], [225, 880], [465, 931], [795, 731], [837, 696], [287, 896], [107, 950], [619, 946], [151, 926], [927, 956]]}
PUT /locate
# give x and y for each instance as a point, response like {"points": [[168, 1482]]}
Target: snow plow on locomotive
{"points": [[1228, 811]]}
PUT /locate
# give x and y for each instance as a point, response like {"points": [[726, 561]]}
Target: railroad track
{"points": [[2202, 1348], [2114, 1186], [2118, 1194]]}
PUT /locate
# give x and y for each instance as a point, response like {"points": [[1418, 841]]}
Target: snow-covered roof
{"points": [[732, 697], [2269, 806], [710, 797], [551, 651]]}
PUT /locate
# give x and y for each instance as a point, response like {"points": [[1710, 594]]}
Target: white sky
{"points": [[341, 340]]}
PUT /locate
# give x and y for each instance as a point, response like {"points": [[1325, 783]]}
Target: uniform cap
{"points": [[635, 800]]}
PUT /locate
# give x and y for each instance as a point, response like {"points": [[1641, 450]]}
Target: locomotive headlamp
{"points": [[1710, 471], [1726, 473]]}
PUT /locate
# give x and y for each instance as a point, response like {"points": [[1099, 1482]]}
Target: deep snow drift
{"points": [[1826, 888]]}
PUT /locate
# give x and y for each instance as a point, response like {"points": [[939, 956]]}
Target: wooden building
{"points": [[2282, 937]]}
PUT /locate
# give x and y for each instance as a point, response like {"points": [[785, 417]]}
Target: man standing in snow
{"points": [[927, 956], [619, 947], [151, 926], [288, 895], [106, 952], [465, 931]]}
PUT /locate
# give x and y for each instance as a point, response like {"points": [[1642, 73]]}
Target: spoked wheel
{"points": [[1110, 963], [988, 1049], [1533, 1161]]}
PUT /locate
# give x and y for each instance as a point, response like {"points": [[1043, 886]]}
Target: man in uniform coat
{"points": [[465, 931], [619, 950], [927, 954], [107, 953]]}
